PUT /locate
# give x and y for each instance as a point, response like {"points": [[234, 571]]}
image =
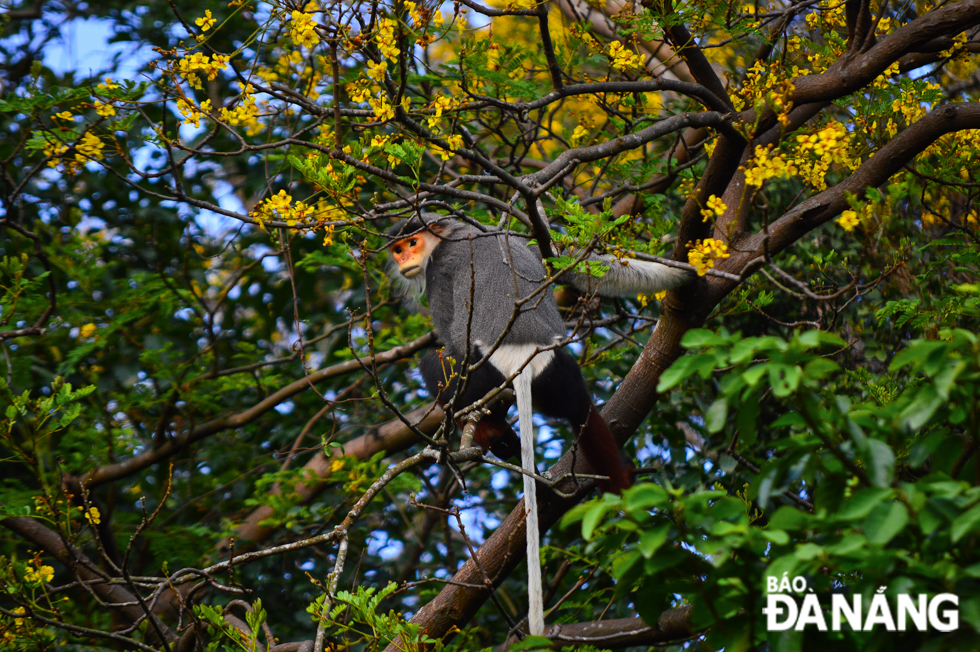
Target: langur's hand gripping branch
{"points": [[435, 255]]}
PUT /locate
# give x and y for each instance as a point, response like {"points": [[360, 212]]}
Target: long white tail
{"points": [[535, 597], [628, 277]]}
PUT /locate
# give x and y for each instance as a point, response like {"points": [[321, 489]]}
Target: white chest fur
{"points": [[509, 359]]}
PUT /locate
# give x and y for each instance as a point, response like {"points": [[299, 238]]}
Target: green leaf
{"points": [[647, 495], [716, 415], [789, 518], [885, 521], [820, 368], [880, 462], [675, 373], [651, 540], [861, 503], [701, 338], [747, 418], [779, 537], [592, 518], [532, 644], [784, 378], [965, 523]]}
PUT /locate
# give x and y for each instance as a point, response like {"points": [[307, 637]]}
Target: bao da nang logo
{"points": [[784, 610]]}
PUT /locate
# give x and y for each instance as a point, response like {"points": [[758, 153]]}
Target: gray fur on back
{"points": [[502, 270], [505, 268]]}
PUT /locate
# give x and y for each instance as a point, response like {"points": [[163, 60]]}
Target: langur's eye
{"points": [[396, 250], [413, 242]]}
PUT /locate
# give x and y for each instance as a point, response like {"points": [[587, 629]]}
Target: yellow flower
{"points": [[848, 220], [766, 166], [109, 85], [716, 208], [444, 154], [455, 142], [193, 66], [438, 20], [376, 71], [385, 37], [64, 115], [703, 254], [382, 110], [358, 92], [191, 115], [39, 576], [245, 114], [54, 149], [104, 109], [579, 135], [93, 515], [205, 23], [303, 30], [622, 57], [90, 147], [88, 330]]}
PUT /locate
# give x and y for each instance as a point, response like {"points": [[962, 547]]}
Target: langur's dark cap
{"points": [[415, 224]]}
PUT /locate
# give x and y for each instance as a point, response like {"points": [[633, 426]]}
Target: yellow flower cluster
{"points": [[358, 90], [109, 85], [382, 110], [387, 44], [245, 114], [54, 149], [93, 516], [766, 166], [440, 104], [828, 146], [302, 30], [417, 14], [827, 16], [89, 148], [704, 253], [193, 116], [623, 58], [848, 220], [9, 633], [444, 154], [579, 135], [715, 208], [195, 65], [455, 142], [88, 330], [910, 103], [105, 109], [281, 206], [831, 142], [376, 71], [328, 234], [39, 576]]}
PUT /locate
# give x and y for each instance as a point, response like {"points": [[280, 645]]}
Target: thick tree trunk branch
{"points": [[850, 73]]}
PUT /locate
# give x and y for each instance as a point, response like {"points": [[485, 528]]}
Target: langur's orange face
{"points": [[411, 253]]}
